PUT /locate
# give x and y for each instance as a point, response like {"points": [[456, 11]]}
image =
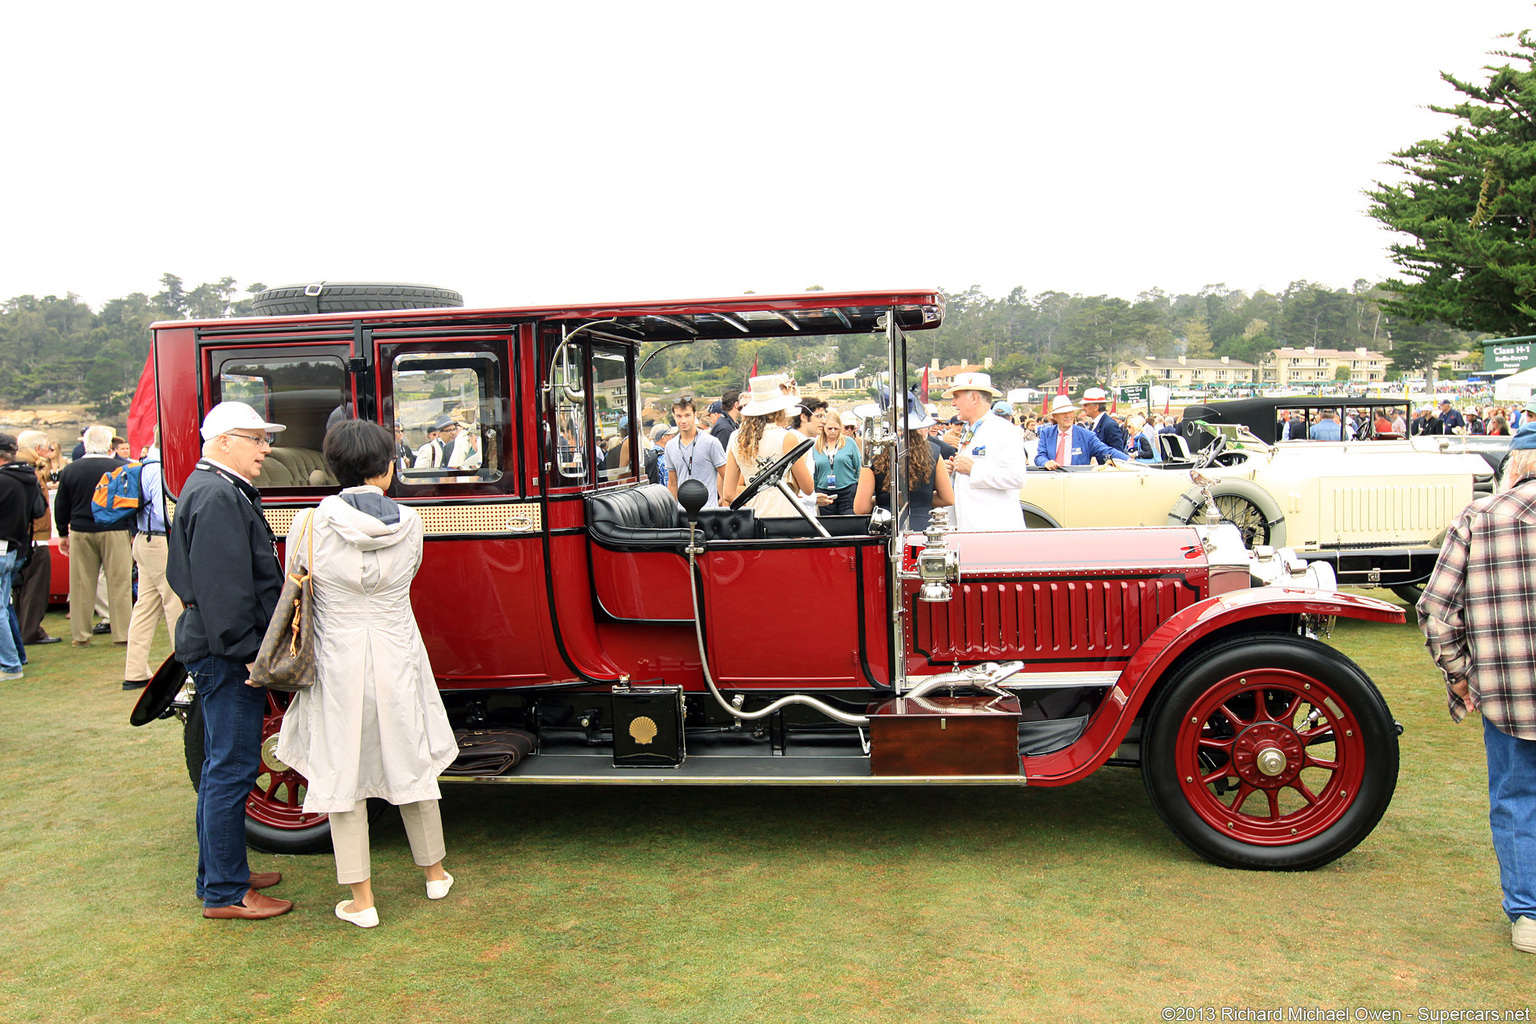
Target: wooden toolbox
{"points": [[936, 735]]}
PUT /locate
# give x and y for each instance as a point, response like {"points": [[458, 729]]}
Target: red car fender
{"points": [[1108, 727]]}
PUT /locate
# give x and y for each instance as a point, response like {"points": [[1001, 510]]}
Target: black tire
{"points": [[351, 297], [1036, 518], [259, 835], [1197, 727], [1410, 592]]}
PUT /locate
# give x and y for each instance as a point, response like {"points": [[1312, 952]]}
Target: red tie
{"points": [[1061, 445]]}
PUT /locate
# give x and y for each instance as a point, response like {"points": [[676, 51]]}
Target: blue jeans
{"points": [[232, 714], [11, 652], [1512, 816]]}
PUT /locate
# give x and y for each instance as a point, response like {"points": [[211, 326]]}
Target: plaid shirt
{"points": [[1478, 611]]}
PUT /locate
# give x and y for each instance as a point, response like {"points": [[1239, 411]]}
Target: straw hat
{"points": [[973, 382], [1061, 404], [1095, 395], [766, 398]]}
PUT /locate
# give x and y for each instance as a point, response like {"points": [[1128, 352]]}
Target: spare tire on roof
{"points": [[350, 297]]}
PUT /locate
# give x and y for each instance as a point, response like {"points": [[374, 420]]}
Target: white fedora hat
{"points": [[1095, 395], [973, 382], [1061, 404], [766, 397]]}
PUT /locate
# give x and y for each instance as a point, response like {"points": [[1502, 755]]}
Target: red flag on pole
{"points": [[751, 373], [1061, 382], [141, 411], [1114, 400], [1166, 401], [922, 391]]}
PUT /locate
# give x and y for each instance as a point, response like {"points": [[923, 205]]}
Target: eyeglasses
{"points": [[265, 441]]}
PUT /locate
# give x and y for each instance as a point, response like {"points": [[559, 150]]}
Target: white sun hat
{"points": [[973, 382], [1061, 404], [1095, 395], [227, 416], [765, 397]]}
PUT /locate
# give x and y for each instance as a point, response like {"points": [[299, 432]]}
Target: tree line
{"points": [[60, 351], [1031, 338]]}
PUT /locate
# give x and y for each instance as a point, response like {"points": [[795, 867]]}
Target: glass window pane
{"points": [[610, 405], [447, 405], [571, 441], [304, 395]]}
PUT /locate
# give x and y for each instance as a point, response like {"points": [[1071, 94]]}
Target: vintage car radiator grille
{"points": [[1048, 620], [1396, 508]]}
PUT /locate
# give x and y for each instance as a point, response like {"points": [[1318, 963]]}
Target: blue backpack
{"points": [[119, 495]]}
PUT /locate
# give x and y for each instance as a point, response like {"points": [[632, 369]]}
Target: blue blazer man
{"points": [[1083, 447], [1102, 423]]}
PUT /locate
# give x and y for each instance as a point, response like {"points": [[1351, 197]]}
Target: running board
{"points": [[717, 770]]}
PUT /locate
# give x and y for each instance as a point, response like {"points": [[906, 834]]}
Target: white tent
{"points": [[1517, 387]]}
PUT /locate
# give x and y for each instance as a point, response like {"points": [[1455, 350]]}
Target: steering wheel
{"points": [[773, 472], [1209, 452]]}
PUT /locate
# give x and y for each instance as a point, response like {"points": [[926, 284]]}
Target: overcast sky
{"points": [[533, 153]]}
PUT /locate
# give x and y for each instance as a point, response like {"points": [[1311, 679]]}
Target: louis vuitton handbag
{"points": [[286, 660]]}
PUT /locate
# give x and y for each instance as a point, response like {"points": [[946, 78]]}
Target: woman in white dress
{"points": [[373, 725], [763, 438]]}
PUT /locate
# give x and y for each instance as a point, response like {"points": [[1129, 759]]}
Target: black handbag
{"points": [[286, 659]]}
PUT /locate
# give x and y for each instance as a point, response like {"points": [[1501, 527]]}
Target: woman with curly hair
{"points": [[927, 477], [763, 438]]}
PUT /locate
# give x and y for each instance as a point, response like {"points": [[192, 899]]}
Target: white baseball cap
{"points": [[227, 416]]}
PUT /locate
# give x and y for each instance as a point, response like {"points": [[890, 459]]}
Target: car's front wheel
{"points": [[1275, 752]]}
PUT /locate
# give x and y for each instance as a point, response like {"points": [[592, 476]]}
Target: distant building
{"points": [[848, 380], [1183, 371], [1304, 366], [941, 377]]}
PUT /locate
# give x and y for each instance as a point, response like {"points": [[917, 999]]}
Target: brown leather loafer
{"points": [[255, 906], [265, 879]]}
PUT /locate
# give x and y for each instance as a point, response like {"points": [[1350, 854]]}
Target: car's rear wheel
{"points": [[275, 820], [1274, 752]]}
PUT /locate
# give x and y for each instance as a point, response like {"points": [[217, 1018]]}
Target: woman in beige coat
{"points": [[373, 725]]}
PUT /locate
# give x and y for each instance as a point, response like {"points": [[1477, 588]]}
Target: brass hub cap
{"points": [[1268, 755]]}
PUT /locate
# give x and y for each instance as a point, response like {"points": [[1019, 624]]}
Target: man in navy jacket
{"points": [[1101, 422], [221, 560], [1081, 444]]}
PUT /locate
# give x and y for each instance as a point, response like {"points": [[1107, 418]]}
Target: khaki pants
{"points": [[349, 838], [90, 553], [156, 599]]}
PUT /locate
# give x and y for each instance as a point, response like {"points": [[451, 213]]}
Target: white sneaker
{"points": [[18, 674], [1523, 934], [436, 890], [362, 918]]}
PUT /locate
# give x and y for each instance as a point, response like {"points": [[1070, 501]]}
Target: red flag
{"points": [[1166, 401], [141, 411], [922, 390], [752, 372], [1061, 382], [1114, 400]]}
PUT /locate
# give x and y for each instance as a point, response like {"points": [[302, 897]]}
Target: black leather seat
{"points": [[646, 515]]}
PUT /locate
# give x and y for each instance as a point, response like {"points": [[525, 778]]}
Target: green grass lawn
{"points": [[733, 904]]}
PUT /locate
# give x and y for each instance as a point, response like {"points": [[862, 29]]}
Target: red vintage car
{"points": [[630, 641]]}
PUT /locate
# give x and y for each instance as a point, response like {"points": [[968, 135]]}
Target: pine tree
{"points": [[1469, 204]]}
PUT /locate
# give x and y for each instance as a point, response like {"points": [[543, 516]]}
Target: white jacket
{"points": [[987, 498]]}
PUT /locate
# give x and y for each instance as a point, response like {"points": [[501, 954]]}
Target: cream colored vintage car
{"points": [[1376, 510]]}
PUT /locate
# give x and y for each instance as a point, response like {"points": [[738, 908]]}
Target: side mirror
{"points": [[692, 494]]}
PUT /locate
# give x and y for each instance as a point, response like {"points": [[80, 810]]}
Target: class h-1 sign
{"points": [[1136, 393], [1510, 353]]}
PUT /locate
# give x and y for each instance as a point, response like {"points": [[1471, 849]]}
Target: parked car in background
{"points": [[1376, 510]]}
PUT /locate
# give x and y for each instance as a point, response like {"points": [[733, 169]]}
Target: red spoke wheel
{"points": [[274, 812], [1271, 752]]}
